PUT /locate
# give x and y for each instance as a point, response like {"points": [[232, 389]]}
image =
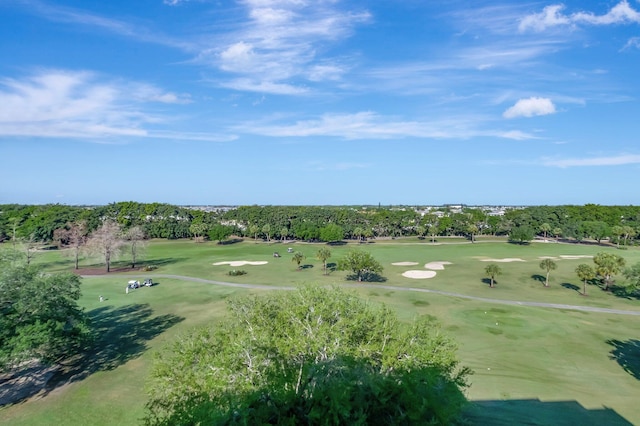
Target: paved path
{"points": [[386, 287]]}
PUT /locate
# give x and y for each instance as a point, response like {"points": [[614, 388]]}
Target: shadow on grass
{"points": [[540, 278], [627, 354], [307, 266], [332, 266], [120, 334], [369, 277], [570, 286], [535, 412], [337, 243], [625, 293], [487, 281]]}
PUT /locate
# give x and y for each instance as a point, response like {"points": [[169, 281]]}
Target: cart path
{"points": [[386, 287]]}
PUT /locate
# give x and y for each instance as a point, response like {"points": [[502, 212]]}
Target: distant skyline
{"points": [[327, 102]]}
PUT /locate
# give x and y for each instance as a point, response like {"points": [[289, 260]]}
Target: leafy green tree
{"points": [[521, 234], [298, 257], [585, 273], [492, 270], [253, 230], [358, 232], [220, 233], [361, 263], [40, 318], [198, 230], [331, 232], [323, 255], [266, 230], [314, 356], [557, 232], [632, 274], [284, 232], [608, 265], [548, 265], [472, 230]]}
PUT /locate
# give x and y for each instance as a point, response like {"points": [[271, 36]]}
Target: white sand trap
{"points": [[240, 263], [437, 266], [505, 260], [419, 275], [404, 263], [575, 256], [548, 257]]}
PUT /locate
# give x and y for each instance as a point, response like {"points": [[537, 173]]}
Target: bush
{"points": [[148, 268], [237, 272]]}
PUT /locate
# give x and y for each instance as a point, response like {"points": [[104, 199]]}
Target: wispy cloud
{"points": [[530, 107], [633, 42], [64, 14], [553, 16], [276, 50], [81, 104], [370, 125], [618, 160]]}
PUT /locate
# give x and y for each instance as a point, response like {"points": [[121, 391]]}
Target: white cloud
{"points": [[552, 16], [530, 107], [279, 44], [80, 104], [633, 42], [370, 125], [618, 160]]}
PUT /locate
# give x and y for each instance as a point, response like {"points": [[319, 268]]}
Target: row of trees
{"points": [[605, 267], [620, 224]]}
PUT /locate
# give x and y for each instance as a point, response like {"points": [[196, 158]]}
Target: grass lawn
{"points": [[532, 365]]}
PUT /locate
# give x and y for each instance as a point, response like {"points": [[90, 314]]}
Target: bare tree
{"points": [[107, 242], [135, 236], [74, 236]]}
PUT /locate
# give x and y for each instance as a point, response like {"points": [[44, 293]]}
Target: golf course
{"points": [[540, 354]]}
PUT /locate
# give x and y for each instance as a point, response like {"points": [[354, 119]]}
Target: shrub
{"points": [[236, 272]]}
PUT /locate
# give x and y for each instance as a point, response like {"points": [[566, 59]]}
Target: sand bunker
{"points": [[437, 266], [575, 256], [505, 260], [240, 263], [419, 275], [404, 263]]}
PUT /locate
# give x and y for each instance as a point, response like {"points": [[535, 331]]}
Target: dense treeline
{"points": [[619, 224]]}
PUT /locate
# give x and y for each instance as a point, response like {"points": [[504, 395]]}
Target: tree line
{"points": [[42, 223]]}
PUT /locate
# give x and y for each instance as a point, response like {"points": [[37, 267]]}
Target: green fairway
{"points": [[532, 365]]}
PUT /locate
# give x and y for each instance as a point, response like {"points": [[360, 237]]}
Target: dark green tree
{"points": [[331, 232], [39, 316], [492, 270], [220, 233]]}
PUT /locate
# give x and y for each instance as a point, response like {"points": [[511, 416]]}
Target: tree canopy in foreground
{"points": [[39, 315], [317, 356]]}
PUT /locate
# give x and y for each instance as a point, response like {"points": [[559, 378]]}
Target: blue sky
{"points": [[319, 102]]}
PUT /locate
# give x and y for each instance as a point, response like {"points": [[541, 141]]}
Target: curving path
{"points": [[386, 287]]}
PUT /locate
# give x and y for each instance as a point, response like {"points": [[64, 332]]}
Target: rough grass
{"points": [[532, 365]]}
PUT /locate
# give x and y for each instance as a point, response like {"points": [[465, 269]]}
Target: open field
{"points": [[532, 365]]}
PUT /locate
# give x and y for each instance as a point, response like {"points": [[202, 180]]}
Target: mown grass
{"points": [[530, 364]]}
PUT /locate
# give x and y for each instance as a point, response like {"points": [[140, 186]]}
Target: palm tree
{"points": [[298, 257], [548, 265], [324, 254], [545, 227], [557, 232], [284, 232], [585, 273], [492, 270], [607, 265]]}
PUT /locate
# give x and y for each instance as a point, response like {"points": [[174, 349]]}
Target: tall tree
{"points": [[361, 263], [608, 265], [253, 230], [266, 229], [492, 270], [284, 232], [314, 356], [135, 237], [585, 273], [632, 274], [323, 255], [220, 233], [198, 230], [77, 237], [331, 232], [107, 242], [548, 265]]}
